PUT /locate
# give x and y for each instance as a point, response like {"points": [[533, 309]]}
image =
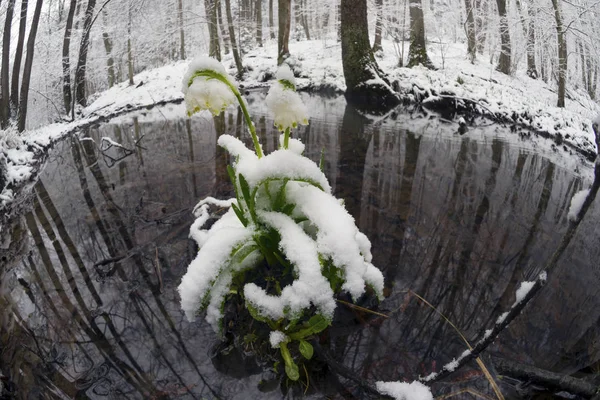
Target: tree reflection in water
{"points": [[459, 220]]}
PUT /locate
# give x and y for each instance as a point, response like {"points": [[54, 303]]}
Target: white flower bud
{"points": [[283, 101], [207, 92]]}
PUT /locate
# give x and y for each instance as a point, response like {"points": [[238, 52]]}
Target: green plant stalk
{"points": [[215, 75], [286, 138]]}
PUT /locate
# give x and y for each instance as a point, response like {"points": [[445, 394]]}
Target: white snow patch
{"points": [[404, 390], [501, 318], [276, 338], [576, 204], [523, 290]]}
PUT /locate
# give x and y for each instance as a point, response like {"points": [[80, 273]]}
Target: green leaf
{"points": [[306, 349], [318, 323], [288, 209], [288, 85], [280, 198], [254, 313], [240, 215], [249, 200], [291, 370], [322, 159]]}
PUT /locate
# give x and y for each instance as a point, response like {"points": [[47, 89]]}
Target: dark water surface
{"points": [[458, 219]]}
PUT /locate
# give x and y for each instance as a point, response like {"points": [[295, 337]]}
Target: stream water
{"points": [[459, 220]]}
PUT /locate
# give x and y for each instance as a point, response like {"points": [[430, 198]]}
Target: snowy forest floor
{"points": [[470, 89]]}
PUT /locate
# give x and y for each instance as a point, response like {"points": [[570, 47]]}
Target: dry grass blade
{"points": [[467, 390], [482, 366], [354, 306]]}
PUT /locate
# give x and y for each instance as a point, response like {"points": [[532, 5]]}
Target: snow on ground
{"points": [[318, 66]]}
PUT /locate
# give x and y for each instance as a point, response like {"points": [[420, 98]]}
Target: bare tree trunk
{"points": [[301, 18], [224, 33], [582, 57], [271, 29], [22, 114], [358, 61], [562, 55], [259, 23], [378, 26], [181, 33], [481, 7], [129, 50], [283, 38], [531, 67], [470, 31], [417, 53], [66, 65], [592, 78], [214, 50], [110, 62], [14, 89], [234, 46], [504, 59], [4, 75], [80, 96]]}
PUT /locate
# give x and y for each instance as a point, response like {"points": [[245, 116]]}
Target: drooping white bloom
{"points": [[284, 102], [207, 92]]}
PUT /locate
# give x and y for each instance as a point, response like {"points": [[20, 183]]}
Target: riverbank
{"points": [[458, 88]]}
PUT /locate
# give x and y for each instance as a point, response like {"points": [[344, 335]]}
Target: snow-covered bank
{"points": [[527, 102]]}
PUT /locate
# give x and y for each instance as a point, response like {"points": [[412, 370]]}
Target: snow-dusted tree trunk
{"points": [[378, 26], [108, 46], [4, 73], [24, 95], [14, 89], [258, 9], [214, 50], [365, 82], [224, 33], [417, 53], [181, 30], [505, 49], [562, 54], [271, 24], [80, 96], [470, 30], [283, 37], [234, 46], [66, 64]]}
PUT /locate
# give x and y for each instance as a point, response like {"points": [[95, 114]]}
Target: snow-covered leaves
{"points": [[285, 193]]}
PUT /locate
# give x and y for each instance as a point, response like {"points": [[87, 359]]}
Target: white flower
{"points": [[209, 91], [285, 103]]}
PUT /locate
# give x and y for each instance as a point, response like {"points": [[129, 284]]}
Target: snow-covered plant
{"points": [[286, 245]]}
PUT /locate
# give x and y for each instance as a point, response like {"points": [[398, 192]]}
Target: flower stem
{"points": [[257, 148], [286, 138]]}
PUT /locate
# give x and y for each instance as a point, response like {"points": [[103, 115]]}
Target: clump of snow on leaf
{"points": [[206, 93], [577, 203], [405, 391], [286, 105], [276, 338]]}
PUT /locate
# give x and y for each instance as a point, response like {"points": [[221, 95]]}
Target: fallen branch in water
{"points": [[489, 336], [548, 379]]}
